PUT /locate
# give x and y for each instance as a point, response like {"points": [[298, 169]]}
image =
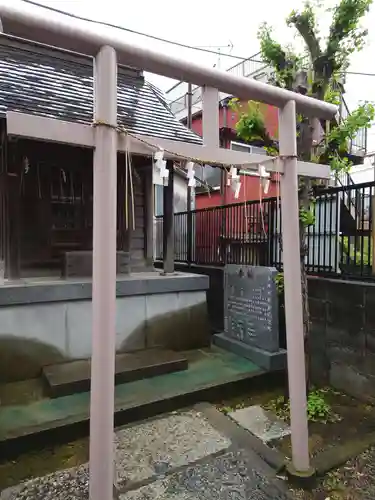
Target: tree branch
{"points": [[345, 36], [283, 62], [251, 123], [304, 23], [272, 52]]}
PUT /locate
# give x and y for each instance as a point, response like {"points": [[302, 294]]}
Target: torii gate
{"points": [[108, 51]]}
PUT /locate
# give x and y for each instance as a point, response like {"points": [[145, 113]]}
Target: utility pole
{"points": [[189, 189]]}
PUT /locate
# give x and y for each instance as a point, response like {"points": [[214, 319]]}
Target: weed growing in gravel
{"points": [[318, 407]]}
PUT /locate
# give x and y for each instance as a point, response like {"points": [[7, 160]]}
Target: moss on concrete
{"points": [[338, 455], [21, 393], [43, 462]]}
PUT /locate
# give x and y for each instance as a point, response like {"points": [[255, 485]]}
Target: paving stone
{"points": [[176, 457], [158, 490], [159, 445], [263, 424], [235, 475], [149, 449]]}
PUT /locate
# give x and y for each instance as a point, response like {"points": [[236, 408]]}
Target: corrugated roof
{"points": [[48, 82]]}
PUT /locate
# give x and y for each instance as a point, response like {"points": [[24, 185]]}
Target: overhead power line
{"points": [[134, 32], [160, 39], [358, 73]]}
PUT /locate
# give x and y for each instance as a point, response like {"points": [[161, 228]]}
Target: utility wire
{"points": [[359, 73], [152, 37]]}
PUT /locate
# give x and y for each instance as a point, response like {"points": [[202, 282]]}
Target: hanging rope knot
{"points": [[102, 123], [123, 130], [225, 165], [287, 157]]}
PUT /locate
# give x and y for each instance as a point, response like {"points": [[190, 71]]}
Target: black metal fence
{"points": [[339, 242]]}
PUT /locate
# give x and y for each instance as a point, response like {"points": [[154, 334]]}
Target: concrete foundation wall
{"points": [[37, 334], [215, 292], [343, 335]]}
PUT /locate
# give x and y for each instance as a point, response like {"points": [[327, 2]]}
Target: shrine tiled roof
{"points": [[44, 81]]}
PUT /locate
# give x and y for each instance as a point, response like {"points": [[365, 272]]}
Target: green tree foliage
{"points": [[323, 67], [317, 73]]}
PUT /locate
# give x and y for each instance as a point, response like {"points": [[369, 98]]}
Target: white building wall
{"points": [[323, 238]]}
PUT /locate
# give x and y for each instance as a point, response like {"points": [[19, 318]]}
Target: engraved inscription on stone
{"points": [[251, 305]]}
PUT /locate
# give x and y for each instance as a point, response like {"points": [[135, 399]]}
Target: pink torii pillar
{"points": [[293, 292], [105, 48], [104, 275]]}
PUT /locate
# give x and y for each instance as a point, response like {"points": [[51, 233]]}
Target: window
{"points": [[208, 175], [238, 146], [247, 148]]}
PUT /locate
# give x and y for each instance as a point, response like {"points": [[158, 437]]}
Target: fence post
{"points": [[373, 233], [189, 236], [168, 223], [271, 230]]}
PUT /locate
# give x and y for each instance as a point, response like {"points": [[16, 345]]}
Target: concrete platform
{"points": [[189, 455], [63, 379], [53, 289], [47, 322], [270, 361], [211, 373]]}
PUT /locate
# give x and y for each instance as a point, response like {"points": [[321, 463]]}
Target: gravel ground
{"points": [[142, 451], [353, 481], [236, 475], [70, 484], [179, 456]]}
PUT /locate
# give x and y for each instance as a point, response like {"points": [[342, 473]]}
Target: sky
{"points": [[206, 24]]}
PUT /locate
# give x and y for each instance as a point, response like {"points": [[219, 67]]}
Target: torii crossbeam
{"points": [[108, 51]]}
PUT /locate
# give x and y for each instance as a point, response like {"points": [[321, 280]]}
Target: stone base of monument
{"points": [[270, 361]]}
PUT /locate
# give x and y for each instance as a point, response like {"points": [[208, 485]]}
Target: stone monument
{"points": [[251, 319]]}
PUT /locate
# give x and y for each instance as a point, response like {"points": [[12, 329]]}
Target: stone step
{"points": [[213, 374], [63, 379]]}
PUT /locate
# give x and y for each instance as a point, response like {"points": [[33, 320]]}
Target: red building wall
{"points": [[250, 185], [229, 118], [217, 225], [249, 191], [211, 226]]}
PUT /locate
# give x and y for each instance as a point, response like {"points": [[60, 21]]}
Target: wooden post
{"points": [[149, 217], [168, 223], [13, 212], [128, 235]]}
